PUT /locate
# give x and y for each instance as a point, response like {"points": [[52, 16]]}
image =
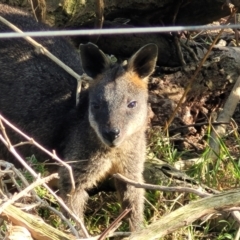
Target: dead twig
{"points": [[39, 9], [115, 224], [190, 50], [99, 19], [199, 192], [33, 10]]}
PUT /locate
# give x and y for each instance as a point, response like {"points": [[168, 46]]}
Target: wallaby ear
{"points": [[94, 61], [143, 62]]}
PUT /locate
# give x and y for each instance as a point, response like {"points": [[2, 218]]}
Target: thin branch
{"points": [[114, 225], [99, 19], [199, 192], [39, 9]]}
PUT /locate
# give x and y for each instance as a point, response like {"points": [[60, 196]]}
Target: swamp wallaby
{"points": [[104, 134], [108, 128]]}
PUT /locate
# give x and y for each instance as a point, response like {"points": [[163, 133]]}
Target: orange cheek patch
{"points": [[136, 80]]}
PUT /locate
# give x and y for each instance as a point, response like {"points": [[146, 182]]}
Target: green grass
{"points": [[221, 175]]}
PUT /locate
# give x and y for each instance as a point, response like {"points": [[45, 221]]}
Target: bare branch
{"points": [[114, 225], [163, 188], [99, 18]]}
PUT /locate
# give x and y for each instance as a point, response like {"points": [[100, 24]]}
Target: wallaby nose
{"points": [[111, 134]]}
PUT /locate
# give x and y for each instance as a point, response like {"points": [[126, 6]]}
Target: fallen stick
{"points": [[187, 214], [36, 226], [200, 192]]}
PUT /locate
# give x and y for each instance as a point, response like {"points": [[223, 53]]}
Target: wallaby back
{"points": [[35, 93], [108, 136]]}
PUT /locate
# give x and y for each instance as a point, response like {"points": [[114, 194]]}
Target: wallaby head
{"points": [[118, 95]]}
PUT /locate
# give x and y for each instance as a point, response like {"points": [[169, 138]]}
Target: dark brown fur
{"points": [[109, 107]]}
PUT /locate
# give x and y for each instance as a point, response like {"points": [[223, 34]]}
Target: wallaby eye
{"points": [[95, 106], [132, 104]]}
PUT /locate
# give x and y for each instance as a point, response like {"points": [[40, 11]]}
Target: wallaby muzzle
{"points": [[110, 135]]}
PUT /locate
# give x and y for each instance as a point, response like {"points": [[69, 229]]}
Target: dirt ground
{"points": [[207, 96]]}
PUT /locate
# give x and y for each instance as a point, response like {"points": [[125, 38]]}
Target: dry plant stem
{"points": [[38, 181], [34, 174], [39, 9], [32, 141], [10, 171], [199, 192], [33, 10], [187, 214], [179, 51], [224, 116], [114, 225], [110, 232], [99, 18], [3, 130], [234, 209], [188, 88], [19, 175], [236, 30]]}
